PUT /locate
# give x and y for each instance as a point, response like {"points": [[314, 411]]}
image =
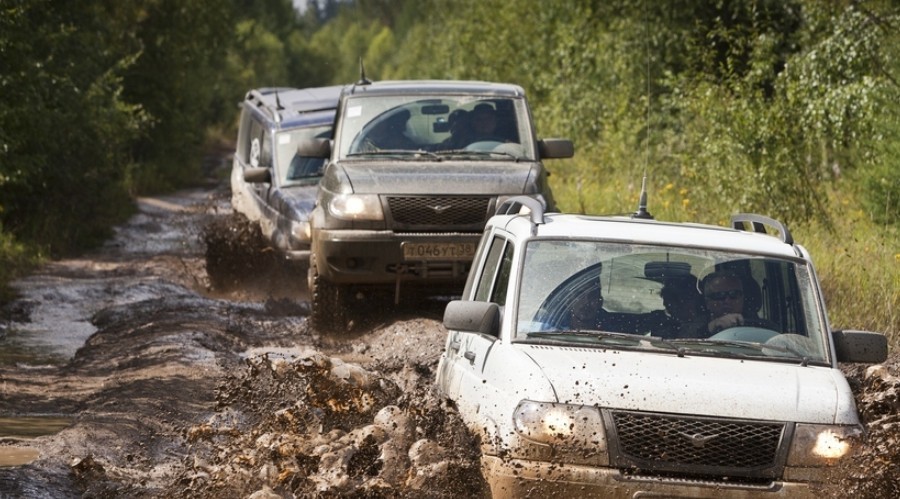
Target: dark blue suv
{"points": [[271, 184]]}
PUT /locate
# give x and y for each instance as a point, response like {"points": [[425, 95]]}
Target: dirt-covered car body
{"points": [[414, 171], [631, 402], [271, 183]]}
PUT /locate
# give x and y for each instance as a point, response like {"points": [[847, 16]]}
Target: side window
{"points": [[265, 157], [485, 283], [498, 296], [243, 143], [495, 275], [257, 144]]}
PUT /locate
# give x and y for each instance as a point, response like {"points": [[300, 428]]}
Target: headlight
{"points": [[822, 445], [572, 433], [300, 231], [356, 207]]}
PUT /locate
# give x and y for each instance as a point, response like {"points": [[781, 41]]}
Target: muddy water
{"points": [[52, 318], [19, 430]]}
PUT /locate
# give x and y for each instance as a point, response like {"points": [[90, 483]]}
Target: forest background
{"points": [[790, 108]]}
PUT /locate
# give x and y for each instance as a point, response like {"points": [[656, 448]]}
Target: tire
{"points": [[329, 313]]}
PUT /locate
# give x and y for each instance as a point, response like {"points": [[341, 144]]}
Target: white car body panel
{"points": [[667, 383]]}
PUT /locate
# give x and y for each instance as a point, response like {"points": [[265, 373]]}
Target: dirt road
{"points": [[166, 389]]}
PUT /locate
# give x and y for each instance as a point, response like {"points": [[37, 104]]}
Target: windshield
{"points": [[290, 166], [689, 300], [442, 127]]}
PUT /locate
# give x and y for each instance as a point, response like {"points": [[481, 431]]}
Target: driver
{"points": [[723, 295], [483, 123], [586, 311]]}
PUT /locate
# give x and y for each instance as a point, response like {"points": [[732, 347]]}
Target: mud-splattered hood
{"points": [[295, 202], [446, 177], [663, 382]]}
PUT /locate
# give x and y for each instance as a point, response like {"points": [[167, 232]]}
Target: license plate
{"points": [[438, 251]]}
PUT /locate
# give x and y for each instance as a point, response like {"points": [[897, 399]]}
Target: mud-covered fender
{"points": [[489, 434]]}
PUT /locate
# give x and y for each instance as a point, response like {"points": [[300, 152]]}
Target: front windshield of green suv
{"points": [[457, 127], [685, 300]]}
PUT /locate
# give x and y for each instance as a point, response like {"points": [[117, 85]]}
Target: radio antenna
{"points": [[362, 74], [642, 203]]}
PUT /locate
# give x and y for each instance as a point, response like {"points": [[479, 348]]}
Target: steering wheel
{"points": [[753, 331], [554, 309], [484, 145]]}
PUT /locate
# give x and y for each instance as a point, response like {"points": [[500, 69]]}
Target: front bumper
{"points": [[376, 257], [515, 478]]}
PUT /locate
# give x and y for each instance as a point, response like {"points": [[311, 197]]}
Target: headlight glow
{"points": [[356, 207], [564, 425], [300, 231], [830, 445], [822, 445]]}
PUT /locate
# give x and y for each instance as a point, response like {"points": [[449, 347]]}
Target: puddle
{"points": [[17, 456], [17, 349], [20, 429]]}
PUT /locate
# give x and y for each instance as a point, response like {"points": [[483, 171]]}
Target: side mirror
{"points": [[314, 148], [556, 148], [473, 317], [860, 346], [258, 175]]}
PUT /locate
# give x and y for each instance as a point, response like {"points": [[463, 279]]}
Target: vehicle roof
{"points": [[296, 107], [641, 231], [407, 87]]}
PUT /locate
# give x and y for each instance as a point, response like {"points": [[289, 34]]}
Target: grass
{"points": [[15, 261]]}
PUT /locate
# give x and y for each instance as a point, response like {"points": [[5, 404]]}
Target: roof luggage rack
{"points": [[759, 224], [513, 206]]}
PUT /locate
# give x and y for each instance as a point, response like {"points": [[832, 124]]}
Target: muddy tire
{"points": [[328, 300]]}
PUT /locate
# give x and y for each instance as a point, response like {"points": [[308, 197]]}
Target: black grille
{"points": [[658, 441], [439, 211]]}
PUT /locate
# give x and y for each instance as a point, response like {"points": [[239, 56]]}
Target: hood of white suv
{"points": [[663, 382], [444, 177]]}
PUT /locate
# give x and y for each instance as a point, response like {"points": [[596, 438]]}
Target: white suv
{"points": [[594, 357]]}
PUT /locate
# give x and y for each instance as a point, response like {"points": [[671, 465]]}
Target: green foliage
{"points": [[346, 40], [65, 127], [183, 47], [15, 260], [859, 268]]}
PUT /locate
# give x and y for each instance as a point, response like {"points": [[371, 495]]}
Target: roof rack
{"points": [[513, 206], [268, 100], [759, 224]]}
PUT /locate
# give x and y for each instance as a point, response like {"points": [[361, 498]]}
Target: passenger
{"points": [[723, 295], [684, 306], [460, 129], [390, 134]]}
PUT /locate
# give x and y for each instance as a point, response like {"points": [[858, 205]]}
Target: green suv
{"points": [[413, 172]]}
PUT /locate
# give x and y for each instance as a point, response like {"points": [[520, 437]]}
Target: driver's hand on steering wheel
{"points": [[724, 322]]}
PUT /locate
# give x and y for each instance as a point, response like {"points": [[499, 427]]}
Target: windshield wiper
{"points": [[466, 152], [397, 152], [592, 334]]}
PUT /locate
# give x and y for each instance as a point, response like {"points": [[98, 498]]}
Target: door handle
{"points": [[454, 345], [470, 355]]}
